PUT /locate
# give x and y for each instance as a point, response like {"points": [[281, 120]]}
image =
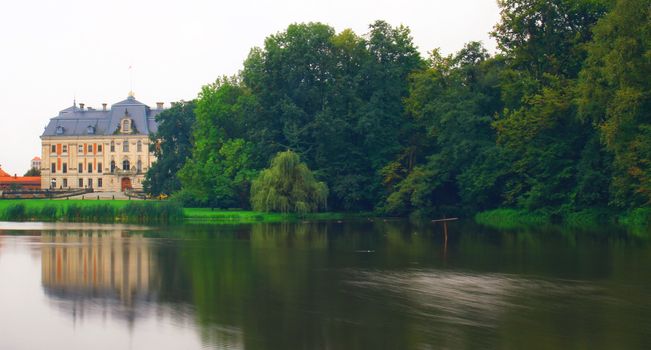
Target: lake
{"points": [[329, 285]]}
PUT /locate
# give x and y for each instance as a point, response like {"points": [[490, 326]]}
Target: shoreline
{"points": [[637, 221]]}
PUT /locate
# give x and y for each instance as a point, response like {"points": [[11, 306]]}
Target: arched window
{"points": [[139, 166], [125, 146], [112, 166], [126, 125], [139, 146], [125, 164], [112, 146]]}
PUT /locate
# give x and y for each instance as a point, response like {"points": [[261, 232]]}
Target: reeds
{"points": [[149, 212], [133, 212]]}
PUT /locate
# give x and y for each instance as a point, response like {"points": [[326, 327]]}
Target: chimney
{"points": [[159, 105], [81, 105], [103, 106]]}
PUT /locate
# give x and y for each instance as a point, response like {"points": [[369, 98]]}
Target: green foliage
{"points": [[557, 122], [222, 164], [508, 219], [638, 220], [451, 159], [33, 172], [288, 186], [90, 213], [153, 212], [593, 217], [615, 94], [15, 212], [336, 100], [172, 145], [543, 43]]}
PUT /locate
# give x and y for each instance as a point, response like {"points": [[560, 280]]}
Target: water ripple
{"points": [[465, 298]]}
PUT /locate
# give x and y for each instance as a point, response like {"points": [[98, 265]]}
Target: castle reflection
{"points": [[100, 264]]}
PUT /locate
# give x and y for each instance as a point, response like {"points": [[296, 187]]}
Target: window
{"points": [[112, 146], [65, 170], [81, 148], [99, 182], [125, 125], [65, 148], [65, 182], [59, 130], [139, 146], [53, 168], [90, 148], [99, 148], [99, 168], [139, 165], [125, 146], [125, 165], [80, 168], [112, 166], [90, 130], [90, 183], [81, 183], [54, 148], [90, 168], [54, 183]]}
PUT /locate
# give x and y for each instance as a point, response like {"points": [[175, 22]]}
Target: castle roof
{"points": [[76, 121]]}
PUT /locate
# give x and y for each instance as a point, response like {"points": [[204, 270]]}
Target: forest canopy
{"points": [[558, 119]]}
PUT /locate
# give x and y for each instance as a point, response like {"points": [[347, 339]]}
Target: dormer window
{"points": [[126, 124], [59, 130], [90, 130]]}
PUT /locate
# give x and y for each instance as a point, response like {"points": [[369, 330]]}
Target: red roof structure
{"points": [[22, 182]]}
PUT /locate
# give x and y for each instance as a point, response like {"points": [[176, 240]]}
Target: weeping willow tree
{"points": [[288, 186]]}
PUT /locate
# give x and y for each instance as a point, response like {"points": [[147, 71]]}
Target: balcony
{"points": [[130, 172]]}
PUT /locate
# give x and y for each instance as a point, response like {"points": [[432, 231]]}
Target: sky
{"points": [[53, 52]]}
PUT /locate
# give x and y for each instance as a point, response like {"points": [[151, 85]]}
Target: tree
{"points": [[336, 100], [288, 186], [615, 95], [33, 172], [543, 43], [451, 161], [172, 145], [222, 163]]}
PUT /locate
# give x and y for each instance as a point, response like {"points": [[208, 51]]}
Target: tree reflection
{"points": [[357, 285]]}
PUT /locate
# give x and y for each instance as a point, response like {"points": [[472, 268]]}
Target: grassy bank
{"points": [[638, 220], [90, 211], [209, 215], [512, 218], [141, 212]]}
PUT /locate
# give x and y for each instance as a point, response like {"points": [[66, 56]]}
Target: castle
{"points": [[106, 149]]}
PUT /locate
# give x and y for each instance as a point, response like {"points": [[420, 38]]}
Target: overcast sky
{"points": [[54, 51]]}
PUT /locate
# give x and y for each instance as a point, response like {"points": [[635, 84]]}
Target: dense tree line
{"points": [[558, 119]]}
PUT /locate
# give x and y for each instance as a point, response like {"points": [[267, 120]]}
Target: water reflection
{"points": [[107, 265], [465, 298], [359, 285]]}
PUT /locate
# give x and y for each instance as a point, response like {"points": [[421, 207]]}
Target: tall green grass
{"points": [[507, 219], [638, 221], [590, 218], [148, 212], [93, 211]]}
